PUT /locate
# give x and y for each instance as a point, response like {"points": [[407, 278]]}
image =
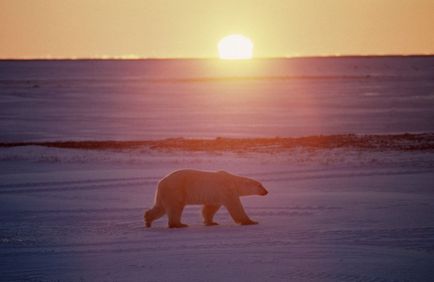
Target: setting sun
{"points": [[235, 47]]}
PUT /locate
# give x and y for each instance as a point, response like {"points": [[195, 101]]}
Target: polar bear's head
{"points": [[248, 186]]}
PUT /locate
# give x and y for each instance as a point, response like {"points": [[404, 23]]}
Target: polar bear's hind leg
{"points": [[153, 214], [174, 213]]}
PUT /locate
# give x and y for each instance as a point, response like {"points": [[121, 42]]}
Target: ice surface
{"points": [[347, 208], [155, 99], [331, 215]]}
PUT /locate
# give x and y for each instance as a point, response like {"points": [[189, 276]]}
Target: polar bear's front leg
{"points": [[208, 213], [237, 212]]}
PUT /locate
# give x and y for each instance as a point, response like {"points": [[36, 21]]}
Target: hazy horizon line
{"points": [[128, 58]]}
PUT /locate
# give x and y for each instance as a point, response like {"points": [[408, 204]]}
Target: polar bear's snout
{"points": [[263, 191]]}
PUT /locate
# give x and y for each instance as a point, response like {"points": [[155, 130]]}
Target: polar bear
{"points": [[210, 189]]}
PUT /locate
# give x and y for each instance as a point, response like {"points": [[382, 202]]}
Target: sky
{"points": [[192, 28]]}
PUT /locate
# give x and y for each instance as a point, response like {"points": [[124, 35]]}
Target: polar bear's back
{"points": [[196, 187]]}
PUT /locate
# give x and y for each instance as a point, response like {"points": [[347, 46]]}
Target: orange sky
{"points": [[187, 28]]}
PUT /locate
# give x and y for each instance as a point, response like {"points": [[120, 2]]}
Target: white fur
{"points": [[211, 189]]}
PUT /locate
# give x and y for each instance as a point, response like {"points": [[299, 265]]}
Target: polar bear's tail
{"points": [[156, 211]]}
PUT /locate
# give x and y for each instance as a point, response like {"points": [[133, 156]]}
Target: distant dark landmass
{"points": [[398, 142]]}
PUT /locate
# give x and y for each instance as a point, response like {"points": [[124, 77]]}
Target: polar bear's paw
{"points": [[212, 223], [249, 222], [177, 225]]}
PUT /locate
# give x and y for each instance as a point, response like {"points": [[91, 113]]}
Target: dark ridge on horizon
{"points": [[216, 58], [394, 142]]}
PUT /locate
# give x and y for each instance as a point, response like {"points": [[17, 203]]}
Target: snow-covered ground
{"points": [[341, 207], [331, 215]]}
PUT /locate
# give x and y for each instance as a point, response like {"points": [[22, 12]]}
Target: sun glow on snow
{"points": [[235, 47]]}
